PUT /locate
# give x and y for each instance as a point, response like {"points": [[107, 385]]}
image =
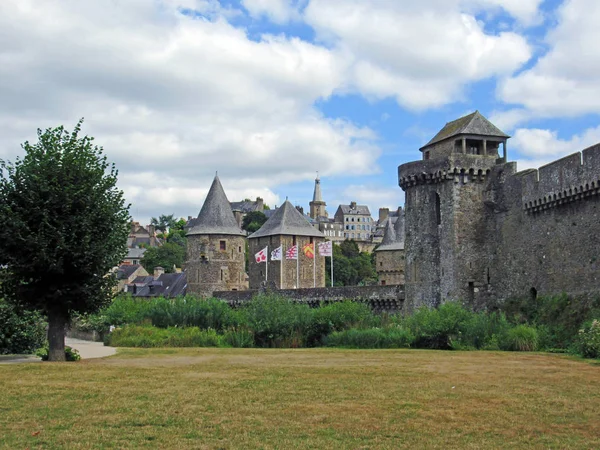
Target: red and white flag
{"points": [[292, 253], [262, 255], [325, 249]]}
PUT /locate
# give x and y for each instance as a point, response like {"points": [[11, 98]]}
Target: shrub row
{"points": [[21, 331]]}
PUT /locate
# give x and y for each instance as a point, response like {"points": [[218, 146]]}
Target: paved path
{"points": [[87, 350], [90, 349]]}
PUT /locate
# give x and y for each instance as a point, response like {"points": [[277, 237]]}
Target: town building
{"points": [[356, 221], [216, 247], [286, 228]]}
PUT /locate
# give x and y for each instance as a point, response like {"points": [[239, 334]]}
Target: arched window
{"points": [[438, 209]]}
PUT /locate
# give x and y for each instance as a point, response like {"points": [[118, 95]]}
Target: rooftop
{"points": [[286, 220]]}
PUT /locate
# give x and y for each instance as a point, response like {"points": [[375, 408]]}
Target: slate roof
{"points": [[358, 209], [317, 193], [286, 220], [216, 216], [393, 239], [126, 270], [473, 123], [168, 285], [135, 253]]}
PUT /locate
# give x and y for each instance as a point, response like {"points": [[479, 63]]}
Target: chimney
{"points": [[260, 204], [352, 205], [383, 214], [158, 271]]}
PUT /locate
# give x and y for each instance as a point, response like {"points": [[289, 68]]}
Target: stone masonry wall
{"points": [[390, 267], [388, 299]]}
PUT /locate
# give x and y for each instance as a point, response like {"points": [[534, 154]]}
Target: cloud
{"points": [[509, 119], [174, 96], [420, 53], [540, 146], [278, 11], [563, 82], [372, 195]]}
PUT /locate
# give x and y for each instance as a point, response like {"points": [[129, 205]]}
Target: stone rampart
{"points": [[572, 178], [388, 299]]}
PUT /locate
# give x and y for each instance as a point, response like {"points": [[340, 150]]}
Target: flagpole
{"points": [[314, 264], [281, 267], [267, 264], [297, 266], [332, 264]]}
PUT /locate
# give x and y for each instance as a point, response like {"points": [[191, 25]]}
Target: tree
{"points": [[164, 222], [253, 221], [63, 227], [167, 256], [350, 266]]}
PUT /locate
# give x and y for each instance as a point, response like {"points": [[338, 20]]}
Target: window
{"points": [[293, 240], [438, 211], [240, 249], [223, 245], [426, 155], [221, 274]]}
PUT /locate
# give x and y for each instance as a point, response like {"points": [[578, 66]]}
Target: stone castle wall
{"points": [[390, 267], [210, 268], [388, 299], [286, 278], [479, 232]]}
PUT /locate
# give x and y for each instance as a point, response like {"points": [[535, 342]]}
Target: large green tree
{"points": [[351, 267], [63, 227], [168, 256], [164, 222], [253, 221]]}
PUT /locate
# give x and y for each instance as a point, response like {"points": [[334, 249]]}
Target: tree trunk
{"points": [[56, 336]]}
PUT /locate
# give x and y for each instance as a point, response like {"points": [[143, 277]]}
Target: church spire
{"points": [[317, 194], [317, 206]]}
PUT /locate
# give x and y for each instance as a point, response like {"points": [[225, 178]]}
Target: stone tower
{"points": [[448, 214], [389, 255], [287, 227], [317, 206], [216, 251]]}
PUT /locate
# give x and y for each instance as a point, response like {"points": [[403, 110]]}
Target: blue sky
{"points": [[268, 92]]}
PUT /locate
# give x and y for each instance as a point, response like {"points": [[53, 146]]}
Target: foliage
{"points": [[71, 354], [63, 226], [253, 221], [168, 256], [21, 331], [147, 336], [562, 316], [350, 266], [277, 321], [482, 331], [390, 337], [164, 222], [521, 338], [336, 317], [239, 337], [588, 340]]}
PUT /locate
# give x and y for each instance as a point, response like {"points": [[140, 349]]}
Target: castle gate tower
{"points": [[447, 215], [216, 251]]}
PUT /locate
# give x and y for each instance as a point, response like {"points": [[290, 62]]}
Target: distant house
{"points": [[140, 238], [168, 285], [356, 220], [126, 273]]}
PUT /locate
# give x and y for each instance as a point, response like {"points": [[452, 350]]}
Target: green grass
{"points": [[308, 398]]}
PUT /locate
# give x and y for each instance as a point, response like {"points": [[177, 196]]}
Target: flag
{"points": [[309, 250], [276, 254], [261, 256], [325, 249], [292, 253]]}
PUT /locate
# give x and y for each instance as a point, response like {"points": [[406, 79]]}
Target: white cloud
{"points": [[539, 146], [173, 98], [509, 119], [564, 82], [278, 11], [372, 195], [421, 53]]}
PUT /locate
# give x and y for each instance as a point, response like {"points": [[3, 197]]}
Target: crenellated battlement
{"points": [[457, 168], [569, 179]]}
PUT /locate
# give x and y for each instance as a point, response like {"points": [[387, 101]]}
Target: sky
{"points": [[268, 92]]}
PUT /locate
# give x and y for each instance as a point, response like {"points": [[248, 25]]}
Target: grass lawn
{"points": [[314, 398]]}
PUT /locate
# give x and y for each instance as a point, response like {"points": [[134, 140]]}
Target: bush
{"points": [[148, 336], [21, 331], [71, 354], [337, 317], [482, 331], [438, 328], [521, 338], [238, 338], [588, 340], [277, 321], [392, 337]]}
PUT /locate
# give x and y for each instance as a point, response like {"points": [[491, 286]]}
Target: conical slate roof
{"points": [[392, 241], [286, 220], [474, 124], [317, 194], [399, 226], [216, 216]]}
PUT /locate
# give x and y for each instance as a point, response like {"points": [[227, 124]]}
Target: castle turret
{"points": [[317, 206], [215, 247], [389, 255], [447, 220], [287, 227]]}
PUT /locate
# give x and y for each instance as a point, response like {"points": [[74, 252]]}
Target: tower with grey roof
{"points": [[389, 255], [317, 206], [286, 227], [216, 255]]}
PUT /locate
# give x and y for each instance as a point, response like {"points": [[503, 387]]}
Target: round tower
{"points": [[449, 231], [216, 247]]}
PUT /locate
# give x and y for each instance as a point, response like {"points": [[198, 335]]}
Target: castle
{"points": [[478, 230], [473, 228]]}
